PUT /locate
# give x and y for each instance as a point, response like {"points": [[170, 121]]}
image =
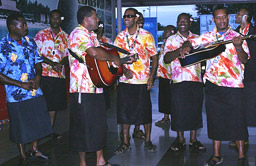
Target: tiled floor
{"points": [[162, 137]]}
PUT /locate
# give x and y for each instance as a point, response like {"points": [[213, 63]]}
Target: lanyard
{"points": [[133, 44], [53, 37], [221, 35]]}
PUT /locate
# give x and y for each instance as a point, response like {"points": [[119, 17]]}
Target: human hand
{"points": [[128, 73], [116, 60], [35, 82], [132, 58], [237, 42], [150, 82], [57, 67], [26, 85], [184, 51]]}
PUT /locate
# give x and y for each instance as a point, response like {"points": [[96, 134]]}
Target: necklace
{"points": [[222, 34], [54, 39], [133, 44]]}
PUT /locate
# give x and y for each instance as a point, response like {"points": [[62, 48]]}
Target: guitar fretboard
{"points": [[216, 43]]}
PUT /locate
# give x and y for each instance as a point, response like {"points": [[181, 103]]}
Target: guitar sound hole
{"points": [[112, 69]]}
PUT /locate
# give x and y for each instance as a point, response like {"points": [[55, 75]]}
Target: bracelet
{"points": [[238, 50]]}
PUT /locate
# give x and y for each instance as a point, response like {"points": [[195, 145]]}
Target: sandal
{"points": [[196, 146], [148, 146], [163, 122], [37, 155], [123, 148], [242, 162], [138, 134], [177, 146], [212, 162]]}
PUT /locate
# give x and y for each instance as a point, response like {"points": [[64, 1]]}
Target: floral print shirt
{"points": [[53, 47], [225, 69], [179, 74], [142, 42], [245, 31], [17, 62], [80, 40], [163, 70], [105, 39]]}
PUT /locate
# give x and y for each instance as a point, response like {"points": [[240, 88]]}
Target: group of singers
{"points": [[34, 77]]}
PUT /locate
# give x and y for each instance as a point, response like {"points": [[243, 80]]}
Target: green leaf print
{"points": [[83, 46]]}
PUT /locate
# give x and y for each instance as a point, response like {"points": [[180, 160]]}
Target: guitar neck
{"points": [[129, 59], [230, 41], [115, 47], [124, 60]]}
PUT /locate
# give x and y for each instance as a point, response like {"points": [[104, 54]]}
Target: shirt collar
{"points": [[50, 29], [183, 37], [216, 32], [127, 32], [86, 30], [11, 40], [245, 30]]}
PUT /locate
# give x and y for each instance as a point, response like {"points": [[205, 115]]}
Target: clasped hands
{"points": [[57, 66], [31, 84]]}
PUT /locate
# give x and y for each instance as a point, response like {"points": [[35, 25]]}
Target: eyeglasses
{"points": [[129, 16]]}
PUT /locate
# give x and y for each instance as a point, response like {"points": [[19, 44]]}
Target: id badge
{"points": [[53, 52], [53, 56]]}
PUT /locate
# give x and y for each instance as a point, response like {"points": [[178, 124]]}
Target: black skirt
{"points": [[55, 93], [225, 113], [29, 120], [133, 104], [88, 122], [164, 96], [250, 103], [186, 106]]}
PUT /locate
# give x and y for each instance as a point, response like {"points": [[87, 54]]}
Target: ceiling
{"points": [[136, 3]]}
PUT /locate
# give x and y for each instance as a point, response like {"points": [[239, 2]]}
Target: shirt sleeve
{"points": [[246, 49], [37, 55], [79, 43], [151, 45], [38, 40], [3, 63], [66, 46], [169, 45], [118, 42]]}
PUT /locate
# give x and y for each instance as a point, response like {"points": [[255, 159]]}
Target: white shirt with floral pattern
{"points": [[225, 69], [179, 73], [79, 41]]}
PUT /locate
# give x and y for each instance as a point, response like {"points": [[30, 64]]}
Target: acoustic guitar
{"points": [[203, 53], [103, 73]]}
